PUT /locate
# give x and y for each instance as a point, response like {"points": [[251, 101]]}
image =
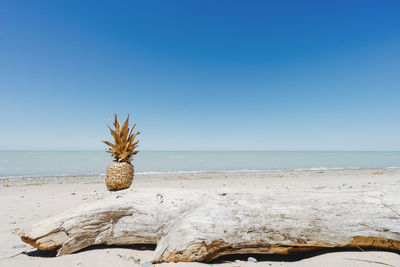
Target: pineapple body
{"points": [[119, 175]]}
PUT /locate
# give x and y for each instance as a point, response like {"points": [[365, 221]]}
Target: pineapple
{"points": [[119, 174]]}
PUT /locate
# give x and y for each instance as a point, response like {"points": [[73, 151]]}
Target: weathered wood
{"points": [[200, 226]]}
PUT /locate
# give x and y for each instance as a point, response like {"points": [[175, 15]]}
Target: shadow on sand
{"points": [[293, 257], [222, 259], [53, 253]]}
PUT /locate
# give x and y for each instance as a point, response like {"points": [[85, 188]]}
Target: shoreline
{"points": [[158, 173]]}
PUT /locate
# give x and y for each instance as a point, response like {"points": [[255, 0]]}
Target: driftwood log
{"points": [[201, 226]]}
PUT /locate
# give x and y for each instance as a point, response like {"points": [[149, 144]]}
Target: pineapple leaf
{"points": [[130, 131], [115, 135], [117, 125], [132, 146], [125, 155], [125, 130], [132, 137], [124, 145], [108, 143]]}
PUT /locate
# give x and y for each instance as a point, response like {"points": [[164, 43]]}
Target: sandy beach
{"points": [[200, 133], [31, 199]]}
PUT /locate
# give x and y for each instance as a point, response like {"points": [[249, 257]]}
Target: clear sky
{"points": [[201, 75]]}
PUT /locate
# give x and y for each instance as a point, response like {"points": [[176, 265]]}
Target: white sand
{"points": [[24, 202]]}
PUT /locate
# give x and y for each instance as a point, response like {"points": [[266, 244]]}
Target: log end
{"points": [[50, 242]]}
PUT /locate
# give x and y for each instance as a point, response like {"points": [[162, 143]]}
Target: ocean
{"points": [[51, 163]]}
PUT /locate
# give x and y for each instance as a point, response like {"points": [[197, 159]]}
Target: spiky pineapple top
{"points": [[124, 146]]}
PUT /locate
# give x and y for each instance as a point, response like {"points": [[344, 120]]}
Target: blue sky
{"points": [[201, 75]]}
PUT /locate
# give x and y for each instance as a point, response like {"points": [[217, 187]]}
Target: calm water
{"points": [[95, 162]]}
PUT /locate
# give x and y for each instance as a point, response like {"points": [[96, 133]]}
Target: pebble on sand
{"points": [[251, 259]]}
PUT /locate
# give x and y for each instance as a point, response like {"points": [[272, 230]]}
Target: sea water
{"points": [[44, 163]]}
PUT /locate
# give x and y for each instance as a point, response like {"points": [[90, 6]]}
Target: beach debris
{"points": [[12, 222], [146, 264], [94, 195], [251, 259], [73, 193], [194, 225]]}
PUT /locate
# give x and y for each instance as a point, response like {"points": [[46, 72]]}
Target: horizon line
{"points": [[194, 150]]}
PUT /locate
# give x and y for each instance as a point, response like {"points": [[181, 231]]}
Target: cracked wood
{"points": [[200, 226]]}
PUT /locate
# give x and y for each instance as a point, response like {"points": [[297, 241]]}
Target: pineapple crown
{"points": [[124, 146]]}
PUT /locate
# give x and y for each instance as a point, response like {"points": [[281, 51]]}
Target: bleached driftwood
{"points": [[200, 226]]}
